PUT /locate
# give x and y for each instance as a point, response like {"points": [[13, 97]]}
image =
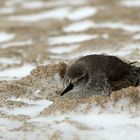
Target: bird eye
{"points": [[66, 81]]}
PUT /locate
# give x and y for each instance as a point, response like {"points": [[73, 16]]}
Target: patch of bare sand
{"points": [[42, 81]]}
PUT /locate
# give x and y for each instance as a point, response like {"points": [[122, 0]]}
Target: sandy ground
{"points": [[38, 39]]}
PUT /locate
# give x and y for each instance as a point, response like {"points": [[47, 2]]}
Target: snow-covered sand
{"points": [[16, 73], [37, 32]]}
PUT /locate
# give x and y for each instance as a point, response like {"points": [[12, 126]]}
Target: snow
{"points": [[100, 125], [84, 25], [33, 5], [48, 119], [126, 50], [121, 52], [32, 111], [6, 36], [17, 44], [63, 49], [74, 2], [105, 120], [67, 39], [6, 123], [41, 4], [7, 10], [58, 14], [9, 61], [130, 3], [79, 26], [16, 72], [119, 25], [107, 124], [82, 13], [136, 37], [105, 36]]}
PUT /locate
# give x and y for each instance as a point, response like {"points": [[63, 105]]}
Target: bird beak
{"points": [[68, 88]]}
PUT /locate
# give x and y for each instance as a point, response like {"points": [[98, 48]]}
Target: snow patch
{"points": [[6, 36], [136, 37], [8, 124], [16, 73], [58, 14], [48, 119], [79, 26], [130, 3], [63, 49], [17, 44], [40, 4], [33, 5], [84, 25], [121, 52], [104, 125], [7, 10], [33, 110], [67, 39], [9, 61], [119, 25], [82, 13]]}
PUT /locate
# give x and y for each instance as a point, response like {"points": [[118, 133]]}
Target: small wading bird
{"points": [[99, 75]]}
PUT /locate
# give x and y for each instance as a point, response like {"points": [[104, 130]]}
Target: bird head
{"points": [[76, 73]]}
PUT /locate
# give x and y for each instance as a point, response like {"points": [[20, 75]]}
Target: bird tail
{"points": [[138, 82], [139, 75]]}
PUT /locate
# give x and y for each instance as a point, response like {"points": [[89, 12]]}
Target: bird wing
{"points": [[99, 84]]}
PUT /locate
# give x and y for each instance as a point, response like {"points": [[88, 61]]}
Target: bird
{"points": [[98, 75]]}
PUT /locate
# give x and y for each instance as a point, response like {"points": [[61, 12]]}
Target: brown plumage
{"points": [[99, 75]]}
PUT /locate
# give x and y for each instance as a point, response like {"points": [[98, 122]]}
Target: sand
{"points": [[38, 39]]}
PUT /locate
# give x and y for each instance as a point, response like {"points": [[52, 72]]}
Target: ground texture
{"points": [[38, 39]]}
